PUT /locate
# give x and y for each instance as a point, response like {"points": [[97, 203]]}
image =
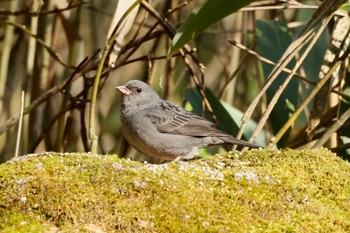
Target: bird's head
{"points": [[138, 94]]}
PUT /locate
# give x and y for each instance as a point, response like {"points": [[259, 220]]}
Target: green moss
{"points": [[17, 222], [257, 191]]}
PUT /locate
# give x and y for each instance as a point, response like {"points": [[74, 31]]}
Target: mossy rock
{"points": [[256, 191]]}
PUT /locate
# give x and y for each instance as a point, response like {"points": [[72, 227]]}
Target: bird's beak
{"points": [[124, 90]]}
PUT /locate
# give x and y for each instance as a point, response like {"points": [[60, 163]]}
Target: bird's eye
{"points": [[138, 90]]}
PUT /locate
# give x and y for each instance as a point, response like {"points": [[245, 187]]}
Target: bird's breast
{"points": [[136, 127]]}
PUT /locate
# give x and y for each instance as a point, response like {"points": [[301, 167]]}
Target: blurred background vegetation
{"points": [[281, 65]]}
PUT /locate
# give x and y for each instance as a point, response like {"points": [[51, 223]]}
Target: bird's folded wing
{"points": [[172, 119]]}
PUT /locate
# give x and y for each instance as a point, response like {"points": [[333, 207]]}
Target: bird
{"points": [[164, 130]]}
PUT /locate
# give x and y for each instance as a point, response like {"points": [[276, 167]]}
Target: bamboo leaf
{"points": [[203, 17]]}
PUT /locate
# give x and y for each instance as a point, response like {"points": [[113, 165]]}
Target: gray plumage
{"points": [[164, 130]]}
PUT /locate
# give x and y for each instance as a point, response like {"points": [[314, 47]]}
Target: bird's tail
{"points": [[235, 141]]}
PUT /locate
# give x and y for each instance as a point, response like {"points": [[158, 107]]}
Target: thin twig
{"points": [[285, 69], [290, 121], [19, 131], [36, 13], [149, 57], [44, 97], [199, 81], [285, 7], [268, 61], [285, 83], [286, 58], [107, 50], [337, 124], [228, 80], [54, 55], [177, 8], [323, 13]]}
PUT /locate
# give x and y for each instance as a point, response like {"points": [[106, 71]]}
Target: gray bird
{"points": [[164, 130]]}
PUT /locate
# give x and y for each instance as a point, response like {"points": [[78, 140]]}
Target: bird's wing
{"points": [[170, 118]]}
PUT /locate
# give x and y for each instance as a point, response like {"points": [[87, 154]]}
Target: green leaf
{"points": [[290, 105], [346, 6], [315, 58], [203, 17]]}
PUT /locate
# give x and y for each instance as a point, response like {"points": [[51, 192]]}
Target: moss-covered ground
{"points": [[256, 191]]}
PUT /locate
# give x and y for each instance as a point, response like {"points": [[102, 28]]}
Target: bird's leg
{"points": [[177, 159]]}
